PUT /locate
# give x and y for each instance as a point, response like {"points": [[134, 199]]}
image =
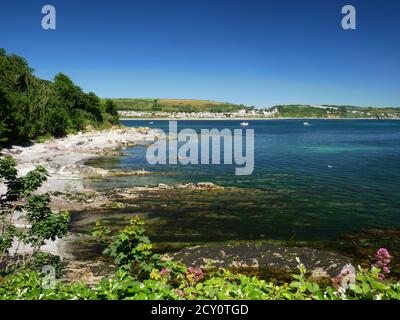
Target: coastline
{"points": [[63, 158]]}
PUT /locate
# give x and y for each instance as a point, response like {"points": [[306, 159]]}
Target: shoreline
{"points": [[64, 158]]}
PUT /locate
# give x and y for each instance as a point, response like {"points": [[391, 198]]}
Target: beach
{"points": [[64, 158]]}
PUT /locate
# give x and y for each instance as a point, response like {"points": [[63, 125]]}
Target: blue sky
{"points": [[252, 52]]}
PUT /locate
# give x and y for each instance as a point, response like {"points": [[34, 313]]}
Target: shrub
{"points": [[41, 224], [130, 248]]}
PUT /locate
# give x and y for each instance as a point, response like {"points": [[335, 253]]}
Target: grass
{"points": [[175, 105]]}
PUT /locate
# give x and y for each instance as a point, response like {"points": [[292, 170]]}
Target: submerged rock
{"points": [[199, 185], [127, 173], [321, 264], [81, 171]]}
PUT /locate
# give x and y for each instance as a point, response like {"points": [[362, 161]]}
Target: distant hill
{"points": [[294, 111], [333, 112], [176, 105]]}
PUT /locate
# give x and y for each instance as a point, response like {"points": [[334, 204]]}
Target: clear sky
{"points": [[245, 51]]}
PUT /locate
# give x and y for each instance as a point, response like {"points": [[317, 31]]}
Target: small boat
{"points": [[307, 124], [244, 124], [151, 122]]}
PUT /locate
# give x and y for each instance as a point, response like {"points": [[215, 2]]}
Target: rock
{"points": [[319, 274], [185, 186], [163, 186], [255, 263], [53, 167], [115, 205], [81, 171], [14, 151], [205, 185], [266, 256], [127, 173]]}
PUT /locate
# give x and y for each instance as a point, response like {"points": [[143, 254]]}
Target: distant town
{"points": [[204, 109]]}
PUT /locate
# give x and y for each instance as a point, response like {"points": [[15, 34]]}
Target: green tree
{"points": [[37, 223], [31, 107], [156, 106], [6, 118], [110, 107]]}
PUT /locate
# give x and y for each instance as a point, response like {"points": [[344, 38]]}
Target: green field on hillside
{"points": [[176, 105]]}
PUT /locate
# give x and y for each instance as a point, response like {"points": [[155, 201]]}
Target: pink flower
{"points": [[382, 262], [383, 253], [194, 274], [195, 271], [165, 271], [386, 270], [346, 277], [180, 293]]}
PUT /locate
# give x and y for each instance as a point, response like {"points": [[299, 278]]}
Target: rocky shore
{"points": [[117, 198], [64, 158], [65, 161]]}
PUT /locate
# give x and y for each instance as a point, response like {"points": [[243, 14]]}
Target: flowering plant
{"points": [[382, 262]]}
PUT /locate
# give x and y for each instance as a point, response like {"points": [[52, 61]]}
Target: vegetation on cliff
{"points": [[334, 112], [31, 108]]}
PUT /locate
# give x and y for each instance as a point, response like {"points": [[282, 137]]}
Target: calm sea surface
{"points": [[310, 183]]}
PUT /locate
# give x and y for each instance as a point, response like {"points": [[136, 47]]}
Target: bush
{"points": [[130, 248], [20, 199], [215, 286]]}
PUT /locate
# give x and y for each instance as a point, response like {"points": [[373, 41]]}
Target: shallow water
{"points": [[310, 183]]}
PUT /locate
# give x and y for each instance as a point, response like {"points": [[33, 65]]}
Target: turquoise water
{"points": [[317, 182]]}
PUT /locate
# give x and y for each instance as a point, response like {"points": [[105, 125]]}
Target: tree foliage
{"points": [[31, 108]]}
